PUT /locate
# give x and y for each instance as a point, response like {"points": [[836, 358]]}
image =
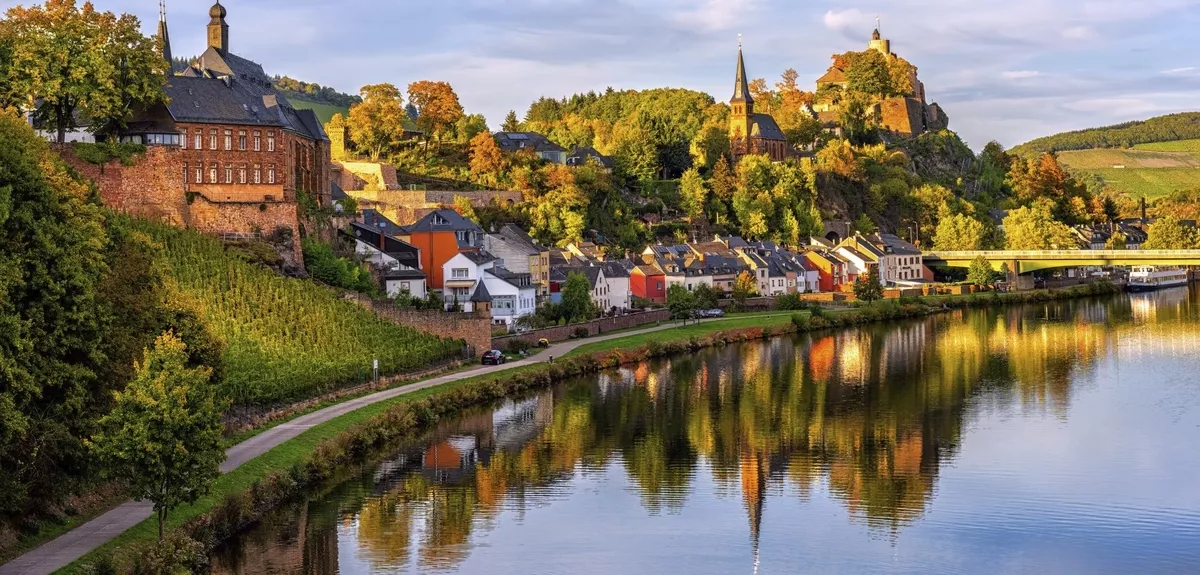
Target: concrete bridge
{"points": [[1025, 261]]}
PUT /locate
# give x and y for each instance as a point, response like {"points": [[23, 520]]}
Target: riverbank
{"points": [[311, 455]]}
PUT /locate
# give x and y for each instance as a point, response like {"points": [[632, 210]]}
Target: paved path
{"points": [[62, 551]]}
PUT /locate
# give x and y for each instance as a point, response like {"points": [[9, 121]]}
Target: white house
{"points": [[399, 261], [512, 295], [616, 279], [462, 275], [903, 262]]}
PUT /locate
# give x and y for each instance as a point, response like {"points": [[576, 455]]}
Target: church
{"points": [[751, 132]]}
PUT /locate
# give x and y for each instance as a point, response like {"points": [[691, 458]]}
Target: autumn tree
{"points": [[693, 192], [163, 437], [377, 124], [1168, 233], [559, 215], [960, 232], [744, 286], [867, 73], [437, 106], [487, 160], [1034, 228], [102, 65], [511, 123]]}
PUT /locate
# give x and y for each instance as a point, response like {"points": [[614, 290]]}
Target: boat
{"points": [[1150, 278]]}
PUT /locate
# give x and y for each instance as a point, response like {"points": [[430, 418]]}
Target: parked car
{"points": [[493, 357], [714, 312]]}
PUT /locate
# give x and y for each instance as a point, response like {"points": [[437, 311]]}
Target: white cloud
{"points": [[1019, 74], [1079, 33], [715, 15], [843, 20], [1179, 71]]}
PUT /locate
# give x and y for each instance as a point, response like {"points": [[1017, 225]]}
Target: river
{"points": [[1051, 438]]}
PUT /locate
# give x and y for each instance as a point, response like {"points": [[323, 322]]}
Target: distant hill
{"points": [[1169, 128], [324, 110]]}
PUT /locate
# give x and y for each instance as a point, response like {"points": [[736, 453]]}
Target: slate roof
{"points": [[615, 269], [515, 236], [454, 222], [403, 252], [765, 127], [592, 273], [515, 141], [479, 257], [897, 245], [517, 280], [373, 218], [223, 88], [741, 90], [481, 294], [336, 191], [404, 274]]}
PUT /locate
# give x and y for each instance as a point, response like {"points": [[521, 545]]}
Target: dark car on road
{"points": [[706, 313], [493, 357]]}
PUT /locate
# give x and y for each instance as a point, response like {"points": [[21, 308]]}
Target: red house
{"points": [[832, 270], [648, 281]]}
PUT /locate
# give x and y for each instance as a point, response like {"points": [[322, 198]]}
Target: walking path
{"points": [[62, 551]]}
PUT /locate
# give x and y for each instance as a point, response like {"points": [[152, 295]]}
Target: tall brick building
{"points": [[239, 140]]}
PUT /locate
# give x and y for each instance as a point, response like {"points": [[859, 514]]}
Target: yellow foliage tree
{"points": [[377, 123]]}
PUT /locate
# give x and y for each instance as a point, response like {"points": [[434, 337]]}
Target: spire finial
{"points": [[162, 10], [739, 41]]}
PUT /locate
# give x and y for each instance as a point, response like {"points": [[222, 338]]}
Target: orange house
{"points": [[441, 235]]}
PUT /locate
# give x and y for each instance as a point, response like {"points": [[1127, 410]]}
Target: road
{"points": [[66, 548]]}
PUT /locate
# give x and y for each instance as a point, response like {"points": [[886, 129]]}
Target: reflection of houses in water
{"points": [[902, 349], [293, 546]]}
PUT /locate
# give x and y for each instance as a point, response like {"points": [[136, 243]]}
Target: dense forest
{"points": [[1184, 126], [314, 92]]}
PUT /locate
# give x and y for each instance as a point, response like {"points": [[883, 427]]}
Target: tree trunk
{"points": [[162, 519]]}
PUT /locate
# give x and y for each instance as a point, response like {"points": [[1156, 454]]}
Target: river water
{"points": [[1055, 438]]}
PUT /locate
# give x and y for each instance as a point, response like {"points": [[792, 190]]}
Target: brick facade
{"points": [[229, 162]]}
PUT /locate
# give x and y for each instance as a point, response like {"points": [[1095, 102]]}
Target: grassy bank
{"points": [[241, 497]]}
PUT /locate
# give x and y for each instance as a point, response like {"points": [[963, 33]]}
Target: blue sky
{"points": [[1008, 70]]}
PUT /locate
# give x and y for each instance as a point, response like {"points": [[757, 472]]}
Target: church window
{"points": [[257, 141], [270, 141], [271, 174], [257, 174], [212, 139], [228, 140], [242, 140], [242, 174], [228, 174], [212, 173]]}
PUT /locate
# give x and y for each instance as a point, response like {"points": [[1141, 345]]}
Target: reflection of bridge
{"points": [[1025, 261]]}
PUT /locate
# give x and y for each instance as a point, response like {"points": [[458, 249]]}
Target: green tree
{"points": [[163, 437], [865, 225], [706, 296], [511, 123], [52, 246], [468, 126], [466, 209], [1034, 228], [577, 304], [377, 123], [681, 302], [868, 74], [867, 287], [693, 192], [1168, 233], [1115, 241], [980, 273], [960, 232], [76, 62]]}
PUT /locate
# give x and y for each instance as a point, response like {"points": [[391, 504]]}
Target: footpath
{"points": [[66, 548]]}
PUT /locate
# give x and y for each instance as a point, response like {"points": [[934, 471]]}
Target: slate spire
{"points": [[741, 88]]}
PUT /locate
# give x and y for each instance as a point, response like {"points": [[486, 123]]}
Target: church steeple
{"points": [[163, 36], [741, 106], [218, 30]]}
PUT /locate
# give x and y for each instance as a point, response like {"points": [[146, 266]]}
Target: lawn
{"points": [[765, 319]]}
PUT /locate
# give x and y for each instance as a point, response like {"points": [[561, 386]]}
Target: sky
{"points": [[1005, 70]]}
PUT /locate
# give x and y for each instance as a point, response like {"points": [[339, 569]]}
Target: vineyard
{"points": [[285, 339]]}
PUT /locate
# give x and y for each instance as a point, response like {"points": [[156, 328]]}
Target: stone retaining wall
{"points": [[474, 328]]}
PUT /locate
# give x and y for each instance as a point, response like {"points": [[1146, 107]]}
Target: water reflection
{"points": [[865, 417]]}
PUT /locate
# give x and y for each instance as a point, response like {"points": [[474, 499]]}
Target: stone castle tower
{"points": [[218, 30], [880, 44], [741, 116]]}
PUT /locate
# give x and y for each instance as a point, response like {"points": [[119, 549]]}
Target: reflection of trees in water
{"points": [[868, 413]]}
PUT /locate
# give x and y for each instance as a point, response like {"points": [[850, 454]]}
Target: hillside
{"points": [[1169, 128], [1151, 170], [323, 110], [285, 339]]}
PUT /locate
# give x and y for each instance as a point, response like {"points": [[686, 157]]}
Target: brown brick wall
{"points": [[474, 328], [594, 327], [237, 159]]}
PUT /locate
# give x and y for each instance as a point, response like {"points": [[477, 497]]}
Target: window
{"points": [[212, 139], [257, 174], [405, 286], [242, 140], [212, 173], [242, 174], [183, 142], [199, 141], [270, 141], [459, 273], [257, 141], [271, 174], [228, 140], [199, 172], [660, 286], [185, 174], [228, 174]]}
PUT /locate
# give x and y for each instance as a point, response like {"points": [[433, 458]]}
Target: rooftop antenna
{"points": [[877, 21]]}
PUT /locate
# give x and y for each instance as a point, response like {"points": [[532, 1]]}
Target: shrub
{"points": [[800, 321], [580, 332], [790, 302], [518, 346]]}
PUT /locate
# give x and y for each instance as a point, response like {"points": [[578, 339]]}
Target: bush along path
{"points": [[303, 453]]}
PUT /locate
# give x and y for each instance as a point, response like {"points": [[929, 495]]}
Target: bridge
{"points": [[1025, 261]]}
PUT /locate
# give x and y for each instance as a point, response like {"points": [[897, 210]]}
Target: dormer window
{"points": [[438, 220]]}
